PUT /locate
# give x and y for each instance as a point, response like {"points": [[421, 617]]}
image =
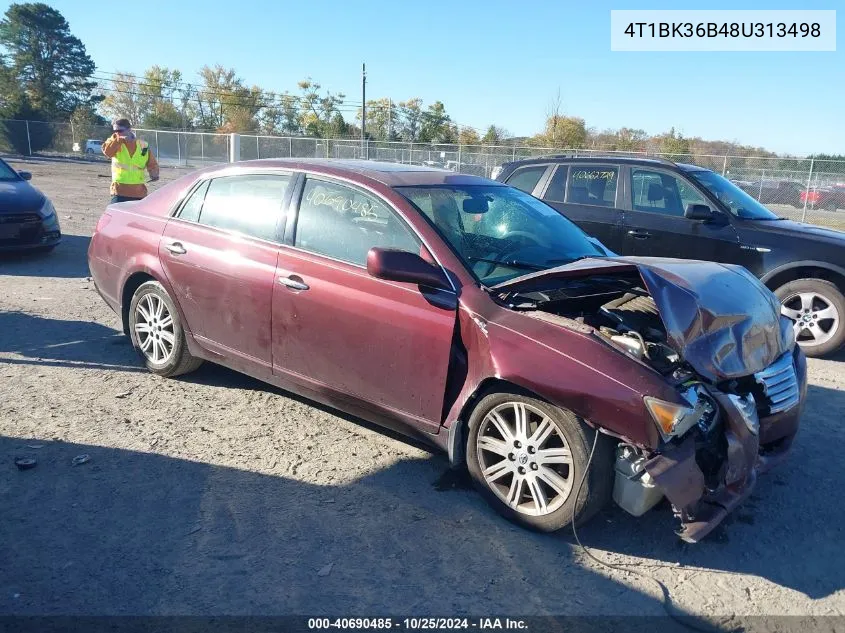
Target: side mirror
{"points": [[25, 175], [396, 265], [699, 212]]}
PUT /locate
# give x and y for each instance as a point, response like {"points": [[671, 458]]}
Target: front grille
{"points": [[779, 384], [20, 218]]}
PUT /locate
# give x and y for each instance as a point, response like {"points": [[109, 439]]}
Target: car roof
{"points": [[606, 158], [390, 174]]}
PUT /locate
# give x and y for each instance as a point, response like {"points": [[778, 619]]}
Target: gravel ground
{"points": [[217, 494]]}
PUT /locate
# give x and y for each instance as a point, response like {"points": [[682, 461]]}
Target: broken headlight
{"points": [[673, 419]]}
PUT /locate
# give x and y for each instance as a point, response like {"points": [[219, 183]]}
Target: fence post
{"points": [[234, 147], [179, 149], [28, 139], [158, 152], [807, 191], [257, 150], [459, 157], [725, 165], [513, 153], [202, 149], [762, 178], [72, 135], [290, 147]]}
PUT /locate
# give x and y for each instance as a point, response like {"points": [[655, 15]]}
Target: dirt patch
{"points": [[214, 493]]}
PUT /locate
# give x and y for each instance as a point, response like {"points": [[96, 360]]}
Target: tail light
{"points": [[102, 222]]}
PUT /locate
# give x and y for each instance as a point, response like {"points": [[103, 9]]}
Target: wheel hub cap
{"points": [[154, 329], [524, 458], [815, 317]]}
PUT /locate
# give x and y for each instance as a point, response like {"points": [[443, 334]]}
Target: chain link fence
{"points": [[801, 189]]}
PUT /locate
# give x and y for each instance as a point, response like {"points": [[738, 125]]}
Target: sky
{"points": [[489, 62]]}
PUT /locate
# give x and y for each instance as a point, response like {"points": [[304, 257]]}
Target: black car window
{"points": [[345, 223], [660, 192], [7, 173], [593, 185], [526, 178], [557, 185], [249, 204], [193, 205]]}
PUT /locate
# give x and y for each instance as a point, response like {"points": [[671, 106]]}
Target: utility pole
{"points": [[363, 110], [389, 118]]}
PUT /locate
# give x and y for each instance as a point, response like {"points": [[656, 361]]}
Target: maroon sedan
{"points": [[472, 315]]}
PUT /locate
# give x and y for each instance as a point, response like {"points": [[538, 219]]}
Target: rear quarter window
{"points": [[526, 178]]}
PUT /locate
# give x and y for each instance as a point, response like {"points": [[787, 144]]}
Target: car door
{"points": [[219, 253], [589, 195], [337, 329], [655, 224]]}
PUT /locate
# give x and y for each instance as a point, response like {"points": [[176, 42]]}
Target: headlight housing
{"points": [[673, 419], [48, 214]]}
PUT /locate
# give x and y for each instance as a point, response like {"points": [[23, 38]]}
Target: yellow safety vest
{"points": [[128, 169]]}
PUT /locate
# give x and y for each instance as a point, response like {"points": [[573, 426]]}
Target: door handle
{"points": [[176, 248], [640, 235], [293, 284]]}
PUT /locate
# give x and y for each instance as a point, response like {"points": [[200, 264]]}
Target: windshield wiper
{"points": [[513, 263]]}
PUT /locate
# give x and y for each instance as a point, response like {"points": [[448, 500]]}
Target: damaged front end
{"points": [[714, 333]]}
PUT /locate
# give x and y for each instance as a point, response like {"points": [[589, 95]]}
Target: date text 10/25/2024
{"points": [[421, 624]]}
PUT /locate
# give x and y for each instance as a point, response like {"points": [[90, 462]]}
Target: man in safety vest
{"points": [[129, 158]]}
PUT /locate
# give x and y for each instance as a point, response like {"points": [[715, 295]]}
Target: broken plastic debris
{"points": [[81, 459], [325, 571], [35, 446], [25, 463]]}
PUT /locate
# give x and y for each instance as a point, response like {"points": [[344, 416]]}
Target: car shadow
{"points": [[38, 340], [69, 260], [137, 533]]}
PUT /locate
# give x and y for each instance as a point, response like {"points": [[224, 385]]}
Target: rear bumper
{"points": [[748, 454]]}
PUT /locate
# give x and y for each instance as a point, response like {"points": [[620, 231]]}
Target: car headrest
{"points": [[655, 192]]}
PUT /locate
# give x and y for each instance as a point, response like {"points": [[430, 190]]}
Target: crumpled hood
{"points": [[720, 318]]}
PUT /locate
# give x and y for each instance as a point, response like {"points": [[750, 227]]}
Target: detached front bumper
{"points": [[679, 477]]}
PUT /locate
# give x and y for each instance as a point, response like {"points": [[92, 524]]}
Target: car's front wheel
{"points": [[527, 458], [157, 333], [817, 309]]}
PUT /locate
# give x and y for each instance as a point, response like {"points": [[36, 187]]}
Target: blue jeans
{"points": [[115, 199]]}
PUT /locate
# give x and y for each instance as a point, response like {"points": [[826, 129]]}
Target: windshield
{"points": [[7, 173], [741, 204], [500, 232]]}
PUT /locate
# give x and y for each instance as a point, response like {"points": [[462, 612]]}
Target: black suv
{"points": [[654, 207]]}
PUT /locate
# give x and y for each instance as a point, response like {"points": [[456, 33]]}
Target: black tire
{"points": [[180, 360], [597, 488], [833, 295]]}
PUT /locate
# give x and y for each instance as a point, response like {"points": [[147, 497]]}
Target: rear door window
{"points": [[250, 204], [526, 178], [594, 185]]}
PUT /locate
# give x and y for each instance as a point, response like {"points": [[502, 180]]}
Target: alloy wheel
{"points": [[524, 459], [814, 316], [154, 329]]}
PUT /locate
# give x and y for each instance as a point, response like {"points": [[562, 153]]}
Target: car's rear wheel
{"points": [[527, 458], [157, 333], [817, 309]]}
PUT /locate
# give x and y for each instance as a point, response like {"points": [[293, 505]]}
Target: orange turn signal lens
{"points": [[666, 414]]}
